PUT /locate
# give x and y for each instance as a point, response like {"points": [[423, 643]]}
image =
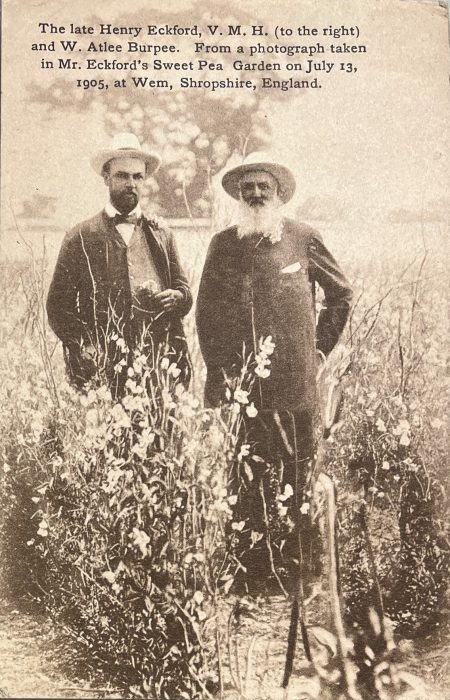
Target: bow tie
{"points": [[125, 219]]}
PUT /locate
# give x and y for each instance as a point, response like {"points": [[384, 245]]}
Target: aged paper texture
{"points": [[120, 514]]}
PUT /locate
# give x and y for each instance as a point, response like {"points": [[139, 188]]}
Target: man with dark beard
{"points": [[118, 283], [258, 282]]}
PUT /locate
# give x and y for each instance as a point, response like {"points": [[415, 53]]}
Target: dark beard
{"points": [[125, 203]]}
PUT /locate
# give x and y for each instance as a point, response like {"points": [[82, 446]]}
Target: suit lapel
{"points": [[158, 249]]}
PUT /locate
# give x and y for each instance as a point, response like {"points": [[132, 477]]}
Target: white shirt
{"points": [[125, 230]]}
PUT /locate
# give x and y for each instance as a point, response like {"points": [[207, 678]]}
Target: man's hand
{"points": [[168, 300]]}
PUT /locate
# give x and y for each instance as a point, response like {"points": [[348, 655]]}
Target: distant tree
{"points": [[38, 206], [195, 130]]}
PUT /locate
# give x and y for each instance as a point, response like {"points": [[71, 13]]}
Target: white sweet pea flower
{"points": [[109, 576], [262, 372], [241, 396], [174, 371], [141, 540], [251, 410], [266, 345], [243, 452], [198, 597], [165, 363], [380, 425]]}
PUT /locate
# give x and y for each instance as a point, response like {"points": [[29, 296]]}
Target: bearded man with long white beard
{"points": [[259, 281]]}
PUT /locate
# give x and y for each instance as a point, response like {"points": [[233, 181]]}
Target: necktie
{"points": [[125, 219]]}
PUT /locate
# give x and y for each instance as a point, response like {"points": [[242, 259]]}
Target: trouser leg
{"points": [[296, 447], [281, 452], [250, 476]]}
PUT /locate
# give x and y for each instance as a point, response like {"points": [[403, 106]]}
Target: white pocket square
{"points": [[295, 267]]}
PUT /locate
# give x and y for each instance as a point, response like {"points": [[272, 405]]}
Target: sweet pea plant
{"points": [[126, 510], [118, 513]]}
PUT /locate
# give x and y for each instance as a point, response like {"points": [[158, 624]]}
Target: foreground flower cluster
{"points": [[120, 512], [127, 510]]}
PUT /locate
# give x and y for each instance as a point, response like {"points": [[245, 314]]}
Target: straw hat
{"points": [[260, 161], [125, 145]]}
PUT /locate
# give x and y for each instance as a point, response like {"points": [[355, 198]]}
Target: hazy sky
{"points": [[371, 142]]}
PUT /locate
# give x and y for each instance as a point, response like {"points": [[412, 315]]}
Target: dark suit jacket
{"points": [[90, 297], [252, 289]]}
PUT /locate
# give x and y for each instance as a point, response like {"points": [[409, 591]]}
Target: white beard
{"points": [[266, 220]]}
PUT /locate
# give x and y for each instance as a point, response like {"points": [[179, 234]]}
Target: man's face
{"points": [[125, 181], [257, 188]]}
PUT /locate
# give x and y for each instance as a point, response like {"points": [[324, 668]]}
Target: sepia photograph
{"points": [[224, 350]]}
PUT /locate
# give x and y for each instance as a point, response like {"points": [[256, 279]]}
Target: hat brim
{"points": [[152, 160], [284, 177]]}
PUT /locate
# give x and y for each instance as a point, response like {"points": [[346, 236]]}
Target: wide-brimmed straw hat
{"points": [[125, 145], [260, 161]]}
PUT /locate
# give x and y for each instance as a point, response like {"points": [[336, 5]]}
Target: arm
{"points": [[178, 279], [324, 269], [62, 299], [209, 323]]}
